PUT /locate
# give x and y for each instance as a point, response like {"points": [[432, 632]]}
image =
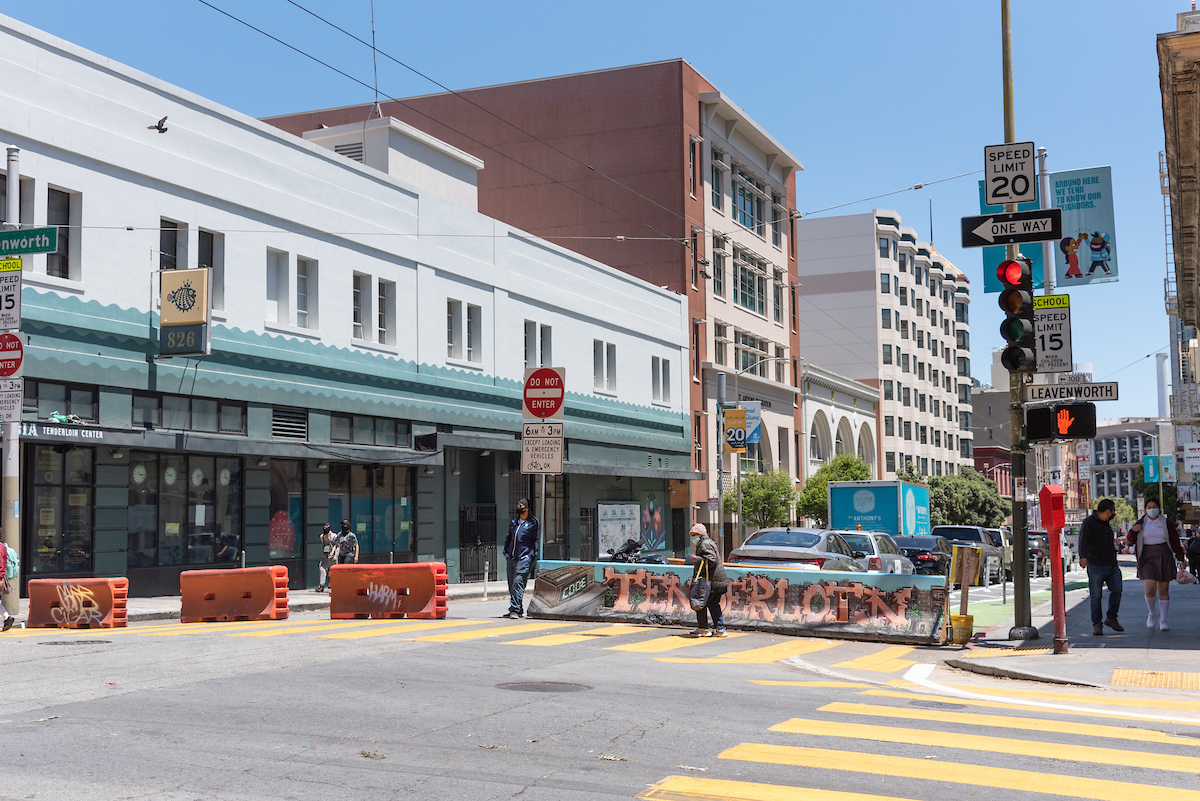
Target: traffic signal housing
{"points": [[1060, 421], [1016, 300]]}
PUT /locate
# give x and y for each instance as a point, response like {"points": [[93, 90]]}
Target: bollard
{"points": [[487, 572]]}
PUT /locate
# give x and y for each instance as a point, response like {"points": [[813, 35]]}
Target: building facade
{"points": [[652, 169], [370, 334], [839, 417], [1117, 451], [887, 310]]}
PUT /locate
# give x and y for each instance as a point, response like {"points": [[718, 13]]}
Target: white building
{"points": [[839, 417], [371, 334], [885, 309]]}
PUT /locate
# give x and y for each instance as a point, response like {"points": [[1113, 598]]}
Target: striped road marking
{"points": [[761, 656], [1105, 700], [671, 642], [958, 773], [323, 626], [954, 699], [884, 661], [492, 631], [396, 628], [846, 684], [688, 788]]}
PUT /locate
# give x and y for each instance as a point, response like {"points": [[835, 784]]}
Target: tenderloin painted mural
{"points": [[875, 606]]}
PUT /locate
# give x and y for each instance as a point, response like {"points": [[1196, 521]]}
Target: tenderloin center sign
{"points": [[545, 393]]}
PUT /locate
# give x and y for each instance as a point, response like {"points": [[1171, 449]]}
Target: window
{"points": [[903, 296], [889, 426], [168, 245], [792, 307], [889, 460], [693, 167], [887, 354], [777, 213], [887, 391], [660, 379], [907, 429], [921, 401], [921, 370], [58, 214], [385, 314], [365, 430], [780, 366], [885, 284], [960, 313], [717, 179], [887, 318], [698, 440], [904, 362], [719, 339], [286, 509], [277, 287], [963, 338], [750, 283], [904, 329], [464, 332], [964, 393], [306, 280], [474, 333], [885, 247], [694, 247], [212, 255], [357, 305], [907, 397], [778, 296], [748, 199], [545, 343], [964, 366], [718, 265], [62, 504], [604, 365], [750, 353]]}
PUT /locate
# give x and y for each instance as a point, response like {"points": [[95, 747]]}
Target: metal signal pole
{"points": [[10, 473]]}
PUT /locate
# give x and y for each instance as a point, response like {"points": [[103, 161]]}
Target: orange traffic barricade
{"points": [[248, 593], [80, 603], [413, 590]]}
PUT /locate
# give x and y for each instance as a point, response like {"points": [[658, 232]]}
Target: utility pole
{"points": [[10, 473], [1022, 614], [720, 446]]}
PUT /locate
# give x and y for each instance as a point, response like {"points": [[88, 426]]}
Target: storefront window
{"points": [[143, 509], [378, 500], [176, 499], [286, 537], [62, 509], [172, 509]]}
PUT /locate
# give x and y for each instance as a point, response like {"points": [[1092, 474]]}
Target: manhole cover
{"points": [[936, 705], [76, 642], [544, 687]]}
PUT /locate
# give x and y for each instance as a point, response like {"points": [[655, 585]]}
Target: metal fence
{"points": [[477, 542]]}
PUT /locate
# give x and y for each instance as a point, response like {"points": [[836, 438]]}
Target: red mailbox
{"points": [[1054, 513]]}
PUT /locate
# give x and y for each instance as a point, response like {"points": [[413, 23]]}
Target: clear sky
{"points": [[872, 97]]}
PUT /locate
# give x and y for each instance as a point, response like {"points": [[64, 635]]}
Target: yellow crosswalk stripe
{"points": [[397, 628], [689, 788], [995, 745], [954, 699], [885, 661], [845, 684], [760, 656], [671, 642], [205, 628], [551, 639], [957, 773], [323, 626], [613, 630], [1008, 722], [1173, 705], [491, 631]]}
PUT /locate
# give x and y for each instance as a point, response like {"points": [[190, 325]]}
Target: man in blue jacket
{"points": [[521, 551]]}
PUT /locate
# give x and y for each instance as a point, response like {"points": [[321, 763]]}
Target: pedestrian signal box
{"points": [[1063, 421], [1016, 300]]}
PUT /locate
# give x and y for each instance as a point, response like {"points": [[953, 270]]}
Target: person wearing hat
{"points": [[520, 551], [327, 540], [708, 561], [345, 551]]}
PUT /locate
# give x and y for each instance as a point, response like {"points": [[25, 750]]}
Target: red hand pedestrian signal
{"points": [[1064, 422]]}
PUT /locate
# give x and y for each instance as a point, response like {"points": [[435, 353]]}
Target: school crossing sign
{"points": [[1052, 333]]}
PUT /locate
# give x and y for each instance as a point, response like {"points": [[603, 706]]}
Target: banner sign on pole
{"points": [[735, 430], [753, 421], [1087, 254]]}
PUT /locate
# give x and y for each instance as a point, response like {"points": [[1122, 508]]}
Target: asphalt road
{"points": [[315, 709]]}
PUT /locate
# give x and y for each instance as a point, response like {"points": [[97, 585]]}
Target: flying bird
{"points": [[160, 126]]}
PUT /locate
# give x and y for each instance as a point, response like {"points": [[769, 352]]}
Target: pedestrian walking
{"points": [[1155, 540], [1098, 553], [346, 546], [708, 563], [9, 568], [521, 551], [327, 540]]}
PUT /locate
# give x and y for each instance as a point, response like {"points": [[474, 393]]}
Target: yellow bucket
{"points": [[963, 627]]}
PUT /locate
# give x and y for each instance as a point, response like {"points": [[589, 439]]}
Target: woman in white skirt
{"points": [[1156, 543]]}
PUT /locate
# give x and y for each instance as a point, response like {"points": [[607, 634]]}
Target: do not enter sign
{"points": [[12, 356], [545, 393]]}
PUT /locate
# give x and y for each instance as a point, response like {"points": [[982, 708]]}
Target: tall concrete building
{"points": [[883, 308], [654, 170]]}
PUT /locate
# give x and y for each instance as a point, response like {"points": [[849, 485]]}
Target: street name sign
{"points": [[28, 240], [12, 398], [1052, 333], [545, 393], [985, 230], [10, 293], [1104, 391], [1011, 173], [542, 448], [12, 355]]}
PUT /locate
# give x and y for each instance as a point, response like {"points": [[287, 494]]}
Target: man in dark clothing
{"points": [[521, 550], [1098, 553], [346, 546]]}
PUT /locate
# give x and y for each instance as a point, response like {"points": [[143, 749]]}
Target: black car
{"points": [[930, 555], [976, 537]]}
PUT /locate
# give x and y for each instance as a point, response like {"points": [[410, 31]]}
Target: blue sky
{"points": [[872, 97]]}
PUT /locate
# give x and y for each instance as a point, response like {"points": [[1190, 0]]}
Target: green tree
{"points": [[767, 499], [1170, 500], [1126, 512], [966, 499], [813, 501], [907, 473]]}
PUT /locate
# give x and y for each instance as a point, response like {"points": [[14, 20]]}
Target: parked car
{"points": [[875, 550], [795, 547], [978, 537], [1003, 538], [929, 555], [1039, 553]]}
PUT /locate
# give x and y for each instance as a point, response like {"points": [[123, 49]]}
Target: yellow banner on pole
{"points": [[735, 430]]}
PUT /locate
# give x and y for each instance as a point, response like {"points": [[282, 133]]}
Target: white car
{"points": [[874, 550]]}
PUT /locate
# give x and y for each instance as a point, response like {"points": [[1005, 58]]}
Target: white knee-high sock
{"points": [[1152, 605], [1163, 606]]}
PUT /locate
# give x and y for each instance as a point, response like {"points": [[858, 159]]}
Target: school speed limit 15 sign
{"points": [[1010, 174], [1052, 333], [10, 293], [735, 430]]}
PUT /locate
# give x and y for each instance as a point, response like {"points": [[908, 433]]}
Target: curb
{"points": [[1006, 673]]}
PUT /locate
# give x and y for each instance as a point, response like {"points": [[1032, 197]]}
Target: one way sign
{"points": [[1009, 229]]}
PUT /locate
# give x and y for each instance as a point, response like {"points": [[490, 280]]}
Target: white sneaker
{"points": [[1151, 620], [1162, 626]]}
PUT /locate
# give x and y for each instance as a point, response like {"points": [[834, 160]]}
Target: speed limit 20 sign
{"points": [[1010, 174], [735, 430], [1052, 333]]}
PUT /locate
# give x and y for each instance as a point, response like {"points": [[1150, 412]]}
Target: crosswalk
{"points": [[1049, 751]]}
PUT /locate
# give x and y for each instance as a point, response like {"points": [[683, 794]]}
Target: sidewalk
{"points": [[166, 607], [1137, 657]]}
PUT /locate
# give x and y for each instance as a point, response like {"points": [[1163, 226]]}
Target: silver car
{"points": [[795, 547], [875, 550]]}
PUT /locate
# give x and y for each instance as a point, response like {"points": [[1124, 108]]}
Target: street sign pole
{"points": [[10, 473], [544, 398]]}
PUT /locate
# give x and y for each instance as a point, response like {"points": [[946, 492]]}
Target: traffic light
{"points": [[1061, 421], [1016, 300]]}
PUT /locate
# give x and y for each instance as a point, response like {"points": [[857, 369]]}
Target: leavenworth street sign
{"points": [[28, 240], [1106, 391]]}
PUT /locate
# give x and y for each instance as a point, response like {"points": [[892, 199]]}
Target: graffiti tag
{"points": [[76, 606], [383, 595]]}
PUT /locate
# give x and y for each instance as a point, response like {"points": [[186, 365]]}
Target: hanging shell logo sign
{"points": [[183, 296]]}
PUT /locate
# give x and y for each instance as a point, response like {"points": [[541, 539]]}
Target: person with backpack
{"points": [[10, 568]]}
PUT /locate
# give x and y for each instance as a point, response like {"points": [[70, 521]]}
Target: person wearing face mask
{"points": [[708, 559], [1098, 553], [1156, 543]]}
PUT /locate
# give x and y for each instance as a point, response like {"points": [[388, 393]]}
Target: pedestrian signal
{"points": [[1016, 300], [1063, 421]]}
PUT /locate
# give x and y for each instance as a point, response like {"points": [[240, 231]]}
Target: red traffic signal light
{"points": [[1016, 300], [1011, 273]]}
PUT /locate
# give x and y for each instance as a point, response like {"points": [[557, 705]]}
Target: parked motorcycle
{"points": [[631, 552]]}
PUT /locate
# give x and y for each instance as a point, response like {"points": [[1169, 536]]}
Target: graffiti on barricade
{"points": [[876, 605], [388, 598], [76, 606]]}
